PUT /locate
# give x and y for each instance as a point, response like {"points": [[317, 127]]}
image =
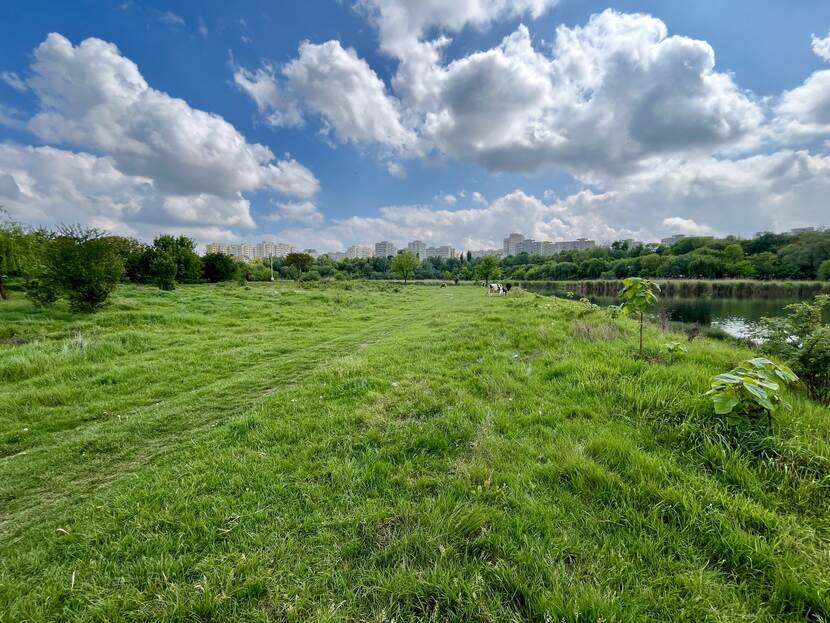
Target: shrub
{"points": [[220, 267], [802, 339], [163, 267], [751, 392], [84, 266], [41, 291], [824, 271]]}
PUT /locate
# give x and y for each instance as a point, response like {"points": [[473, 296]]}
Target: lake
{"points": [[737, 317]]}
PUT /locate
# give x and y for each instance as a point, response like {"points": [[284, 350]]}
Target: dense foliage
{"points": [[82, 265], [767, 256], [802, 338]]}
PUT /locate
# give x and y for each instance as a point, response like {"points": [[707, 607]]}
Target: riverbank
{"points": [[373, 451], [722, 288]]}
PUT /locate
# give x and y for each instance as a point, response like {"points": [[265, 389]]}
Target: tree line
{"points": [[804, 256], [85, 265]]}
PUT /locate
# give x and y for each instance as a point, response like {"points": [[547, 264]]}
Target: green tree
{"points": [[640, 295], [163, 268], [182, 251], [218, 267], [298, 263], [404, 265], [488, 269], [84, 265], [824, 271], [11, 249]]}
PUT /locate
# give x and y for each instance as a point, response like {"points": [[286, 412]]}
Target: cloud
{"points": [[171, 19], [202, 28], [49, 186], [304, 212], [262, 86], [804, 112], [13, 80], [614, 93], [93, 97], [821, 47], [403, 25], [133, 160], [12, 118], [479, 198], [396, 169], [703, 196], [334, 83]]}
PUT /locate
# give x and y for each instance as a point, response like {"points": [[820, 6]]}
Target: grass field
{"points": [[375, 452]]}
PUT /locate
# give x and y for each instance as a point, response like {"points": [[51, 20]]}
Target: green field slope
{"points": [[375, 452]]}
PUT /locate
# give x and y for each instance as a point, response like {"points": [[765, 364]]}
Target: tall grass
{"points": [[374, 452]]}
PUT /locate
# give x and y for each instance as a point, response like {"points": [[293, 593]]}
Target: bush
{"points": [[824, 271], [311, 275], [41, 291], [802, 339], [163, 268], [84, 266], [750, 393], [220, 267]]}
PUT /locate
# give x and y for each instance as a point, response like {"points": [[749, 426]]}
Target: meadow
{"points": [[377, 452]]}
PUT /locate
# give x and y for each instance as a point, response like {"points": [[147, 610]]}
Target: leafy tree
{"points": [[487, 269], [182, 251], [405, 264], [220, 267], [824, 271], [299, 263], [163, 268], [639, 297], [84, 265], [11, 243]]}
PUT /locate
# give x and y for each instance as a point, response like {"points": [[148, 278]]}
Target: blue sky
{"points": [[761, 113]]}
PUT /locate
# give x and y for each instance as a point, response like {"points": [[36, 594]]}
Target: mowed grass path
{"points": [[372, 452]]}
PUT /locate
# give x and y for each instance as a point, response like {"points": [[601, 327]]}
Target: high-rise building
{"points": [[445, 252], [511, 244], [244, 251], [486, 253], [580, 244], [359, 252], [385, 249], [417, 247], [312, 252]]}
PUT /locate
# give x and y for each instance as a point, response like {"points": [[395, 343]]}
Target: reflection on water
{"points": [[737, 317]]}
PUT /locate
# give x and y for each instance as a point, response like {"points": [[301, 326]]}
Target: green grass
{"points": [[374, 452]]}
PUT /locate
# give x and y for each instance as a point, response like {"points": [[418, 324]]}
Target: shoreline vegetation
{"points": [[370, 451], [689, 288]]}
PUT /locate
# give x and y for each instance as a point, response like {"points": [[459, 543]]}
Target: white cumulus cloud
{"points": [[821, 47]]}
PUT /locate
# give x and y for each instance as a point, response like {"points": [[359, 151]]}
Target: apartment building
{"points": [[445, 252], [417, 247], [385, 249]]}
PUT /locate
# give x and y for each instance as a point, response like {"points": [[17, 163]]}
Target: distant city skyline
{"points": [[514, 243]]}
